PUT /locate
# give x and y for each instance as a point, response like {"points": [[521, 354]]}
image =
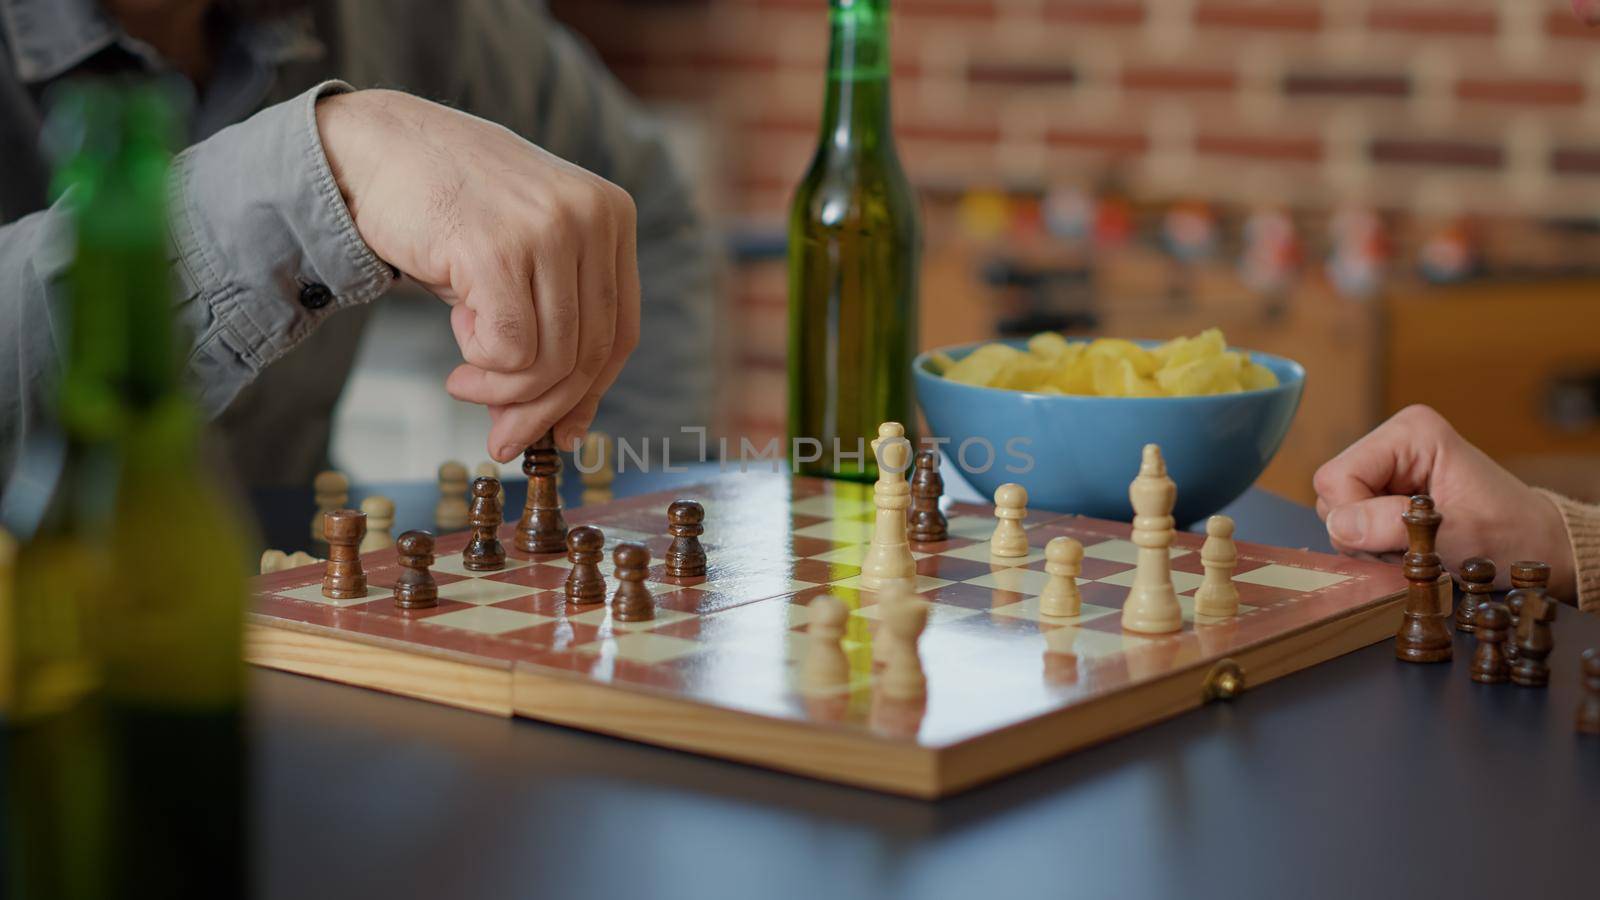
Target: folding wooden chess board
{"points": [[716, 672]]}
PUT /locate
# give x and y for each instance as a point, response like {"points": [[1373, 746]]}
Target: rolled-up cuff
{"points": [[258, 226], [1583, 531]]}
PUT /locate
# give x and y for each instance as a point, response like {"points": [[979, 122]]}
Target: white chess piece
{"points": [[332, 491], [889, 555], [891, 595], [826, 669], [485, 469], [1152, 605], [1010, 508], [451, 513], [1217, 596], [380, 523], [903, 678], [1063, 560]]}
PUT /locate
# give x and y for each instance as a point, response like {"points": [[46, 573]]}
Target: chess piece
{"points": [[1525, 574], [1491, 622], [1217, 596], [490, 469], [825, 668], [889, 555], [585, 550], [484, 551], [343, 578], [1010, 508], [451, 512], [595, 467], [1477, 585], [927, 523], [1152, 605], [903, 678], [380, 523], [273, 561], [1532, 639], [1423, 635], [332, 491], [542, 528], [632, 601], [1588, 717], [892, 594], [415, 588], [1063, 561], [686, 558]]}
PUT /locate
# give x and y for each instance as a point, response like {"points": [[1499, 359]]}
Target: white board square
{"points": [[313, 593], [601, 615], [1182, 582], [642, 647], [980, 553], [481, 592], [1019, 581], [452, 565], [841, 530], [1029, 609], [1291, 578], [488, 619]]}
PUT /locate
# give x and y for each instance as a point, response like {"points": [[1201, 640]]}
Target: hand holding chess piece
{"points": [[415, 588], [343, 578], [542, 528], [889, 555], [1152, 604], [1423, 634], [1063, 562]]}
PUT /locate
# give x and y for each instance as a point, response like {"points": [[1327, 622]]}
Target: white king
{"points": [[889, 555], [1152, 605]]}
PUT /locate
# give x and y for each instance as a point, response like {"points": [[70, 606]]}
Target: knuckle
{"points": [[1322, 481]]}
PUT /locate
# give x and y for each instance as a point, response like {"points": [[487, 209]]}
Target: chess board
{"points": [[717, 671]]}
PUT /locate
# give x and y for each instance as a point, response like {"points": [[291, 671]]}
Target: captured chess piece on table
{"points": [[416, 588], [542, 528], [1533, 639], [585, 549], [596, 467], [332, 491], [686, 558], [1477, 587], [1063, 562], [343, 579], [632, 601], [451, 512], [380, 523], [1152, 605], [1491, 625], [1424, 635], [1010, 539], [888, 556], [928, 523], [1526, 575], [1217, 596], [484, 551]]}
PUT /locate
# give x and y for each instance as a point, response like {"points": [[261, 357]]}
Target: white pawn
{"points": [[1152, 605], [826, 668], [595, 467], [1063, 560], [1010, 508], [889, 555], [380, 524], [1217, 595], [332, 490], [273, 561], [903, 678], [451, 513], [486, 469]]}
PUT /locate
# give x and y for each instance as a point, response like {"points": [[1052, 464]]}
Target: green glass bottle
{"points": [[854, 242]]}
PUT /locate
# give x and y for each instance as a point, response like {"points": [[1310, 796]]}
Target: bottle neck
{"points": [[855, 115]]}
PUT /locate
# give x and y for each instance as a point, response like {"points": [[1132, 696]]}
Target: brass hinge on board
{"points": [[1225, 681]]}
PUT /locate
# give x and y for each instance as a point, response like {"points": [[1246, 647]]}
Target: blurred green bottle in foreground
{"points": [[130, 585], [854, 243]]}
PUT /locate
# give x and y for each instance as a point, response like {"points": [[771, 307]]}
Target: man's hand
{"points": [[536, 256], [1487, 510]]}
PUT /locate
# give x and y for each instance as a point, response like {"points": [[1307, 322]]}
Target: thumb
{"points": [[1372, 525]]}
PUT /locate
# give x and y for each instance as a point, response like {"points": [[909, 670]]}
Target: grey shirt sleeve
{"points": [[263, 250]]}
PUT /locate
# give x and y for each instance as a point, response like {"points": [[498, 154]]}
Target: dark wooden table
{"points": [[1360, 777]]}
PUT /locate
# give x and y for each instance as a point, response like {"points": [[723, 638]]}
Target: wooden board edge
{"points": [[986, 758], [802, 748], [450, 682]]}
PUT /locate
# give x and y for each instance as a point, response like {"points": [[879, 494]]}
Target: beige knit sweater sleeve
{"points": [[1583, 529]]}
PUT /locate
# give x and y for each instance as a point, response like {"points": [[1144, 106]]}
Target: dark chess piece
{"points": [[1533, 640], [928, 523], [1489, 661], [415, 588], [632, 601], [542, 528], [1423, 634], [1525, 574], [585, 550], [484, 551], [1588, 718], [1477, 584], [343, 579], [686, 558]]}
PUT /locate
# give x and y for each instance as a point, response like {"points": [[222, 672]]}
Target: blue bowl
{"points": [[1078, 454]]}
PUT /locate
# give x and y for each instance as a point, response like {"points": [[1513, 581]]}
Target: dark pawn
{"points": [[1423, 634], [343, 578], [928, 523], [1533, 641], [1489, 661], [1477, 581], [686, 558], [415, 588], [1524, 574], [484, 551], [632, 601], [542, 529], [1589, 707], [585, 550]]}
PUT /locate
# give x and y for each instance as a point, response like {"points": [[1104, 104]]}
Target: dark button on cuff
{"points": [[315, 296]]}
